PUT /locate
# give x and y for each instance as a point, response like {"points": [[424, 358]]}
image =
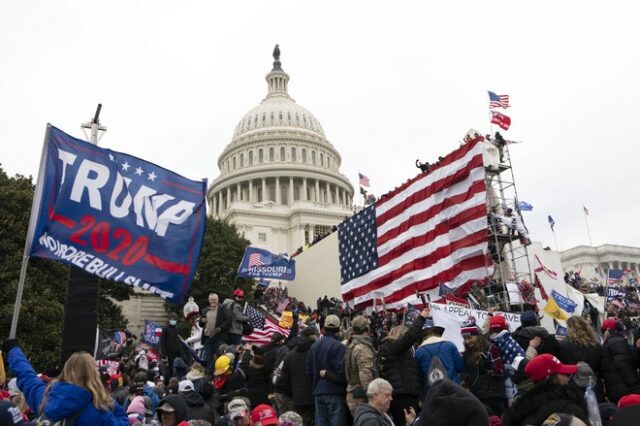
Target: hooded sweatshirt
{"points": [[179, 404], [366, 415], [196, 407]]}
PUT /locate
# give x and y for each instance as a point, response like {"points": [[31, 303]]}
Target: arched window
{"points": [[282, 153], [234, 163], [328, 161], [250, 158], [260, 156], [304, 155], [321, 159], [241, 160], [313, 157], [271, 154], [293, 154]]}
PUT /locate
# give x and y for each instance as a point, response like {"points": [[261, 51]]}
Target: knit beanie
{"points": [[469, 328]]}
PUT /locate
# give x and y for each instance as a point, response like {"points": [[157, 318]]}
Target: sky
{"points": [[389, 82]]}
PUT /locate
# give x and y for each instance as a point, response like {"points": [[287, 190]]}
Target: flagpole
{"points": [[555, 239], [33, 219], [586, 222]]}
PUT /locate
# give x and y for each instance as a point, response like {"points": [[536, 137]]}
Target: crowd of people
{"points": [[341, 367]]}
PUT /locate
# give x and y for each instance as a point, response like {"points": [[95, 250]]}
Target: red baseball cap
{"points": [[263, 415], [627, 400], [238, 292], [498, 322], [542, 366], [609, 324]]}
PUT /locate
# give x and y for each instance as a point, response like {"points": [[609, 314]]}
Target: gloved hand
{"points": [[9, 344]]}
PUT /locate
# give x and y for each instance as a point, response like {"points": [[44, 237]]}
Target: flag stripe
{"points": [[262, 337], [431, 230]]}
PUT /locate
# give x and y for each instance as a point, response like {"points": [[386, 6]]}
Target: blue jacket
{"points": [[327, 354], [448, 354], [64, 399]]}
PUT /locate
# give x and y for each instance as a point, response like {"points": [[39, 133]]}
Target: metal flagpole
{"points": [[555, 239], [35, 207], [586, 222]]}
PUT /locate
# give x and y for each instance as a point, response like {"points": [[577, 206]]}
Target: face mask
{"points": [[173, 322]]}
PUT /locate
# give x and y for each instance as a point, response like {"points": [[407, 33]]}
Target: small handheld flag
{"points": [[364, 181]]}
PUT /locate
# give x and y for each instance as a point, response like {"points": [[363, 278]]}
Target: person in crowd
{"points": [[237, 412], [530, 329], [77, 394], [291, 418], [171, 347], [228, 382], [294, 374], [434, 345], [484, 372], [180, 368], [449, 404], [274, 354], [513, 356], [628, 412], [140, 382], [398, 366], [136, 411], [325, 368], [257, 380], [374, 412], [618, 367], [235, 308], [173, 411], [196, 407], [264, 415], [360, 363], [215, 322], [553, 392], [581, 344]]}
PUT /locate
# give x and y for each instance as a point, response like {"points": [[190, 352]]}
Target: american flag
{"points": [[430, 230], [615, 276], [283, 304], [255, 259], [498, 101], [263, 327], [364, 181]]}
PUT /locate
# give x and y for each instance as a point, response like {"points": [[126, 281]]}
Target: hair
{"points": [[579, 331], [475, 349], [397, 332], [212, 294], [80, 370], [376, 386]]}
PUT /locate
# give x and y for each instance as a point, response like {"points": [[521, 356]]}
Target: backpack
{"points": [[276, 376], [437, 371], [43, 420]]}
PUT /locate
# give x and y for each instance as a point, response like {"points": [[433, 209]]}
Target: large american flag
{"points": [[263, 327], [430, 230], [498, 101]]}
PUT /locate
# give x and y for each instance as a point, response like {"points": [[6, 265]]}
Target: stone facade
{"points": [[279, 180]]}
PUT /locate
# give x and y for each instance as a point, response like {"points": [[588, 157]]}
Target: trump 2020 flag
{"points": [[260, 263], [118, 217]]}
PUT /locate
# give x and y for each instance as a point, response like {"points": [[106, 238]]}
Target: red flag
{"points": [[501, 120], [537, 284]]}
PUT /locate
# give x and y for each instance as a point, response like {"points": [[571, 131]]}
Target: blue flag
{"points": [[564, 302], [260, 263], [552, 223], [524, 206], [151, 333], [118, 217]]}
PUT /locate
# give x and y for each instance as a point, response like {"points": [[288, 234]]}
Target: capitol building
{"points": [[280, 182]]}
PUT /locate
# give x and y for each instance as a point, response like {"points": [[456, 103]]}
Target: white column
{"points": [[304, 189], [290, 191], [337, 199], [317, 200], [264, 189], [214, 207], [328, 193], [228, 196], [238, 192], [278, 198], [251, 191], [220, 205]]}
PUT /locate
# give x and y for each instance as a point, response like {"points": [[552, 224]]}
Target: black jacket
{"points": [[449, 404], [170, 341], [196, 408], [273, 352], [223, 321], [572, 353], [544, 399], [479, 377], [294, 373], [179, 404], [549, 344], [257, 384], [618, 367], [397, 363]]}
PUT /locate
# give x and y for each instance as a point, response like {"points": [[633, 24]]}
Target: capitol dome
{"points": [[279, 180]]}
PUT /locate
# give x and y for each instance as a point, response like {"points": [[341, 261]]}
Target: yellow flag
{"points": [[554, 310], [286, 319]]}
